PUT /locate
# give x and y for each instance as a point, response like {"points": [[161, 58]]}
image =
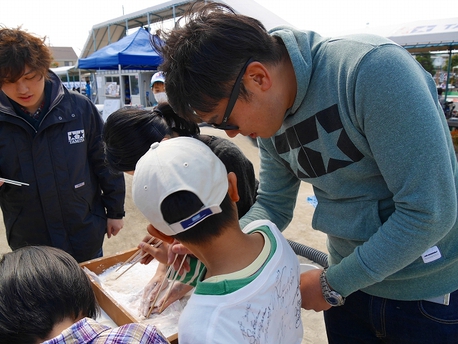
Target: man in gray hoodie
{"points": [[333, 112]]}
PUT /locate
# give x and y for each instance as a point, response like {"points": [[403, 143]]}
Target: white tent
{"points": [[62, 70], [113, 30], [429, 35], [67, 71]]}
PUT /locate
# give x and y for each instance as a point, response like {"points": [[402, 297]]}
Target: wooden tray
{"points": [[114, 310]]}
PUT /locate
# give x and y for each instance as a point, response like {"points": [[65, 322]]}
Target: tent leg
{"points": [[449, 67], [121, 88]]}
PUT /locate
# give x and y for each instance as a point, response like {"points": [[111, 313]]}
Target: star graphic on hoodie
{"points": [[321, 144], [326, 146]]}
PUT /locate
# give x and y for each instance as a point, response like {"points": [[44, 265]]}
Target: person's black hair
{"points": [[41, 286], [129, 132], [203, 56], [183, 204]]}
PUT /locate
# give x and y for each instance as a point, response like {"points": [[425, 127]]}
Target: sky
{"points": [[68, 23]]}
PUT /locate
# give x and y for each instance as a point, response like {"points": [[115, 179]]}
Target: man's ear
{"points": [[259, 74], [157, 234], [232, 189]]}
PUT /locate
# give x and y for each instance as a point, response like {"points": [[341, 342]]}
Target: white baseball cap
{"points": [[179, 164], [157, 77]]}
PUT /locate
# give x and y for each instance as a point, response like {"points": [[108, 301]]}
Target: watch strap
{"points": [[331, 296]]}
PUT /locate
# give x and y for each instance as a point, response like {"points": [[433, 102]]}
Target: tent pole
{"points": [[79, 78], [121, 88], [449, 67], [96, 100], [93, 40]]}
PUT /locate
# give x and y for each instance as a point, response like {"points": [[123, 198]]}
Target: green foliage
{"points": [[454, 62], [426, 62]]}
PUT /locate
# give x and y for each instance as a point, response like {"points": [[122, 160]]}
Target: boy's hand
{"points": [[160, 252], [178, 249], [152, 289]]}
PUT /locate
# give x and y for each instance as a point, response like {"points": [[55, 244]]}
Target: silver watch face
{"points": [[334, 299]]}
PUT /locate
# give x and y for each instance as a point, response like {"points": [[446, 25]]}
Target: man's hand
{"points": [[114, 226], [312, 296]]}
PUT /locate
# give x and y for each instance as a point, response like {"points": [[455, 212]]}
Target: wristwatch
{"points": [[331, 296]]}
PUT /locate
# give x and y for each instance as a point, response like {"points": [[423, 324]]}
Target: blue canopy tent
{"points": [[131, 52]]}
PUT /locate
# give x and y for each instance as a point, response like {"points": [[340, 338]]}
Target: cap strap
{"points": [[195, 218]]}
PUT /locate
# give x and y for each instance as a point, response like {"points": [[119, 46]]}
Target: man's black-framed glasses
{"points": [[232, 100]]}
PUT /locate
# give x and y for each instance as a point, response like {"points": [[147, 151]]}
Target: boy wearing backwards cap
{"points": [[249, 289]]}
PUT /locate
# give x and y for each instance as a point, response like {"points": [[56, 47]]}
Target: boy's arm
{"points": [[191, 277]]}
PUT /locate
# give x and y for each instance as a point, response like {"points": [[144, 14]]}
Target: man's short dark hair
{"points": [[39, 287], [19, 48], [203, 57]]}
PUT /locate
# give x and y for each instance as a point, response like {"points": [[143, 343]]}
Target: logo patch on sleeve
{"points": [[76, 136]]}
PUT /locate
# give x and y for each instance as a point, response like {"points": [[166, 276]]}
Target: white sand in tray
{"points": [[127, 291]]}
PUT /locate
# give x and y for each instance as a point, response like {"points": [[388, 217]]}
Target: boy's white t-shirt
{"points": [[264, 308]]}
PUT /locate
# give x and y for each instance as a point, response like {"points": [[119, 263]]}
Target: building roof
{"points": [[63, 53], [428, 35], [113, 30]]}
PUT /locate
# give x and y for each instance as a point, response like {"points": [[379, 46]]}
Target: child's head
{"points": [[181, 187], [40, 287], [158, 82], [129, 132]]}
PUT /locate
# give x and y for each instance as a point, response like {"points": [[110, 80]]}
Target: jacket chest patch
{"points": [[76, 136]]}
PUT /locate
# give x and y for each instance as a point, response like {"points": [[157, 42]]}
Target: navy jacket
{"points": [[71, 190]]}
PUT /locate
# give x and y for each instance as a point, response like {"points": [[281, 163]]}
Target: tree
{"points": [[454, 62], [452, 79], [426, 62]]}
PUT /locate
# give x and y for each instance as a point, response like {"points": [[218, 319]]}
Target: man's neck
{"points": [[287, 77]]}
